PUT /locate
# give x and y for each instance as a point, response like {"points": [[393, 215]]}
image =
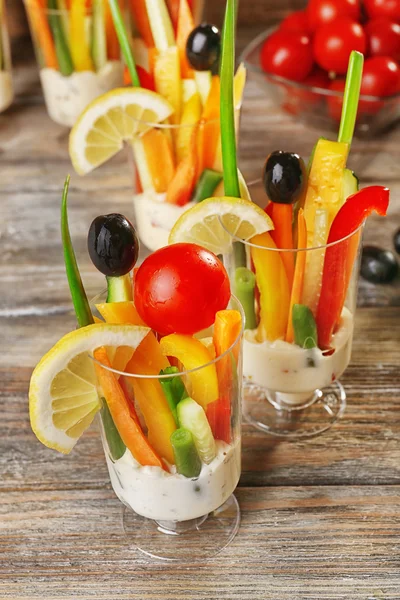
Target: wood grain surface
{"points": [[320, 519]]}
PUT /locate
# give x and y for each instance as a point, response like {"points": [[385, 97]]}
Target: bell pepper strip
{"points": [[138, 8], [113, 49], [203, 383], [340, 257], [148, 359], [189, 119], [120, 313], [131, 434], [42, 32], [173, 388], [298, 279], [123, 40], [63, 55], [282, 217], [181, 188], [273, 286], [173, 9], [184, 29], [167, 77], [304, 326], [245, 283], [79, 48], [211, 118], [187, 459], [159, 158], [315, 261]]}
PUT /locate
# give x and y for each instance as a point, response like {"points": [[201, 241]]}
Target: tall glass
{"points": [[293, 390], [168, 515], [6, 85], [78, 55]]}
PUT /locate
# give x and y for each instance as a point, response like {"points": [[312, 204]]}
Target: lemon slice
{"points": [[211, 223], [63, 396], [111, 119]]}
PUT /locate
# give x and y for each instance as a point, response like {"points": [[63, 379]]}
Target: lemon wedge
{"points": [[63, 392], [213, 222], [111, 119]]}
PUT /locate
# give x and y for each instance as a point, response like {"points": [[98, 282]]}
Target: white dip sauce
{"points": [[157, 494], [67, 97], [6, 90], [289, 369], [155, 218]]}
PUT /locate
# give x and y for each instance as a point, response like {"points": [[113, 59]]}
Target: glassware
{"points": [[167, 515], [6, 85], [318, 107], [78, 55], [291, 391]]}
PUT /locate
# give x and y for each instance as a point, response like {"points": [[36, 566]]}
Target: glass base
{"points": [[184, 541], [293, 416]]}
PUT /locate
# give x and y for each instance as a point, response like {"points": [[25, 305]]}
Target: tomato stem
{"points": [[351, 97]]}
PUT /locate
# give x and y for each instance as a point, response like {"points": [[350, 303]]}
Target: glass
{"points": [[78, 56], [167, 515], [6, 84], [291, 391], [318, 107]]}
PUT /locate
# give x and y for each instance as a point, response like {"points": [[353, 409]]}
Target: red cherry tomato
{"points": [[383, 38], [300, 100], [335, 102], [334, 42], [383, 8], [321, 12], [381, 77], [287, 54], [179, 288], [297, 21]]}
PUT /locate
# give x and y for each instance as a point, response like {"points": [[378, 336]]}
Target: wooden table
{"points": [[320, 518]]}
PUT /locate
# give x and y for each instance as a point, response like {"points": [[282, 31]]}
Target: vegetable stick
{"points": [[128, 428], [159, 158], [167, 77], [124, 41], [160, 24], [185, 27], [63, 8], [138, 8], [42, 32], [282, 216], [113, 50], [187, 458], [190, 117], [173, 9], [182, 185], [79, 47], [62, 50], [211, 117], [99, 40], [298, 278]]}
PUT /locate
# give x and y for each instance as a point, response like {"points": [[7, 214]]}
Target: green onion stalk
{"points": [[124, 41], [351, 97]]}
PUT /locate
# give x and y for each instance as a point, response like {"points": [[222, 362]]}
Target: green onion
{"points": [[62, 50], [187, 458], [245, 283], [351, 97], [124, 41]]}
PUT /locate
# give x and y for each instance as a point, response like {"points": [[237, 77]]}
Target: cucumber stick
{"points": [[349, 185], [191, 416], [203, 82], [99, 42], [119, 289], [115, 444], [160, 24], [187, 459], [208, 182]]}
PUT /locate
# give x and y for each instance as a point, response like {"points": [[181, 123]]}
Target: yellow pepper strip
{"points": [[120, 313], [202, 385], [149, 360], [79, 48], [274, 289]]}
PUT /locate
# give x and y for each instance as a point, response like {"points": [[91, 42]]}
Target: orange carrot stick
{"points": [[42, 32], [159, 158], [182, 185], [185, 27], [113, 50], [212, 126], [173, 9], [282, 216], [138, 8], [128, 428], [298, 278]]}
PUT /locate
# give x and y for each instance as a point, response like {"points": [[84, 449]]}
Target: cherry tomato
{"points": [[335, 102], [383, 8], [303, 99], [287, 54], [383, 38], [321, 12], [381, 77], [297, 21], [334, 42], [179, 288]]}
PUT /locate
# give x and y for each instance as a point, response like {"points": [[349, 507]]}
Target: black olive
{"points": [[113, 244], [396, 241], [284, 177], [203, 47], [377, 265]]}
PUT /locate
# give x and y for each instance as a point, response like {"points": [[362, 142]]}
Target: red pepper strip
{"points": [[339, 259], [219, 417]]}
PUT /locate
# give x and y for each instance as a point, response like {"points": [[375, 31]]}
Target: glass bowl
{"points": [[316, 106]]}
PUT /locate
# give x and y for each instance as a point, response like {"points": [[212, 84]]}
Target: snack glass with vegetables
{"points": [[158, 359], [6, 84], [77, 52]]}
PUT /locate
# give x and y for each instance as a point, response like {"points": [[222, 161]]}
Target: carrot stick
{"points": [[113, 50], [79, 48], [159, 158], [173, 9], [182, 185], [128, 428], [282, 216], [210, 115], [185, 27], [298, 278], [138, 8], [42, 32]]}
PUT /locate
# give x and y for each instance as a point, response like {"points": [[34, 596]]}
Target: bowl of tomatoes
{"points": [[302, 62]]}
